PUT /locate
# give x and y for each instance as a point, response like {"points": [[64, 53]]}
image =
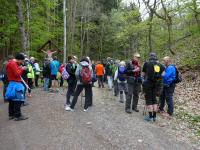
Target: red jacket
{"points": [[13, 71]]}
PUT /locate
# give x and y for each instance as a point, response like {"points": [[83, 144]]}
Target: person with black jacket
{"points": [[134, 84], [71, 69], [46, 74]]}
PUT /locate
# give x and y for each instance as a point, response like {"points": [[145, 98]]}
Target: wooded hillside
{"points": [[101, 28]]}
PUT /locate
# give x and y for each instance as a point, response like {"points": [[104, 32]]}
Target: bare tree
{"points": [[167, 18]]}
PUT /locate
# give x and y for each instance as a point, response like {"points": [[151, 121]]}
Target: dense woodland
{"points": [[101, 28]]}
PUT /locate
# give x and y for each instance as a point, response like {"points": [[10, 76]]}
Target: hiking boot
{"points": [[128, 111], [20, 118], [11, 117], [136, 110], [68, 108], [154, 119], [121, 101], [25, 104], [148, 119]]}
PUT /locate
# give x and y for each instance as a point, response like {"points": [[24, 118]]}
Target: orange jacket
{"points": [[99, 70]]}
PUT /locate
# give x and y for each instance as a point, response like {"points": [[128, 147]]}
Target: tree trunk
{"points": [[20, 18], [150, 33], [169, 29], [73, 25]]}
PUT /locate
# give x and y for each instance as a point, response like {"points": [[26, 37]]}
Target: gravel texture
{"points": [[105, 126]]}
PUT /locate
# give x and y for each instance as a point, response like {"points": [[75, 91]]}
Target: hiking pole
{"points": [[25, 83], [131, 107]]}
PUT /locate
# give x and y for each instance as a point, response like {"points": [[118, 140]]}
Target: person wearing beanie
{"points": [[15, 90]]}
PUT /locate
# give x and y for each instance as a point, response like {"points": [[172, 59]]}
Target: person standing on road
{"points": [[84, 78], [152, 74], [134, 84], [31, 76], [71, 69], [100, 71], [37, 72], [169, 77], [46, 74], [15, 90], [109, 75], [120, 77], [55, 65]]}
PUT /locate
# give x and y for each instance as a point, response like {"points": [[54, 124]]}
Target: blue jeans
{"points": [[167, 95], [46, 84]]}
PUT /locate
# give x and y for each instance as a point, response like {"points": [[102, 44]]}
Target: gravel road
{"points": [[105, 126]]}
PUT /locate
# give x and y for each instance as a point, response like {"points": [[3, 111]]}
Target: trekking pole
{"points": [[131, 107], [25, 83]]}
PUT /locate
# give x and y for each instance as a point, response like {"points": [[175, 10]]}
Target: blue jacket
{"points": [[55, 65], [15, 91], [169, 76]]}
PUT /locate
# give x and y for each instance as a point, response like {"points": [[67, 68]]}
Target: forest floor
{"points": [[105, 126]]}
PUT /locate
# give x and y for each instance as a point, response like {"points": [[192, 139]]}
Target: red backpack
{"points": [[86, 75]]}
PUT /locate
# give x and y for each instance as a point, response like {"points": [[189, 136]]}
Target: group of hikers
{"points": [[124, 78]]}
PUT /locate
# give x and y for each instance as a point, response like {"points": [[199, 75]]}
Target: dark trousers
{"points": [[36, 80], [133, 92], [100, 81], [167, 95], [30, 84], [116, 91], [14, 108], [61, 82], [79, 89], [70, 91]]}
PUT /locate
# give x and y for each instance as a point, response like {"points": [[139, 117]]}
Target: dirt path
{"points": [[104, 127]]}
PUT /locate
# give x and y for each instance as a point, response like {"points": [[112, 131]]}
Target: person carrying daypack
{"points": [[108, 70], [70, 69], [46, 74], [84, 78], [115, 83], [134, 84], [152, 75], [170, 78], [120, 77], [15, 90]]}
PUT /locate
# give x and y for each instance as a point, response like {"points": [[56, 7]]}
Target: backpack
{"points": [[65, 75], [157, 74], [121, 73], [178, 77], [86, 75]]}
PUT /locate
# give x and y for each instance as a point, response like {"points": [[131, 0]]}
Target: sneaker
{"points": [[85, 110], [20, 118], [148, 119], [128, 111], [68, 108]]}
